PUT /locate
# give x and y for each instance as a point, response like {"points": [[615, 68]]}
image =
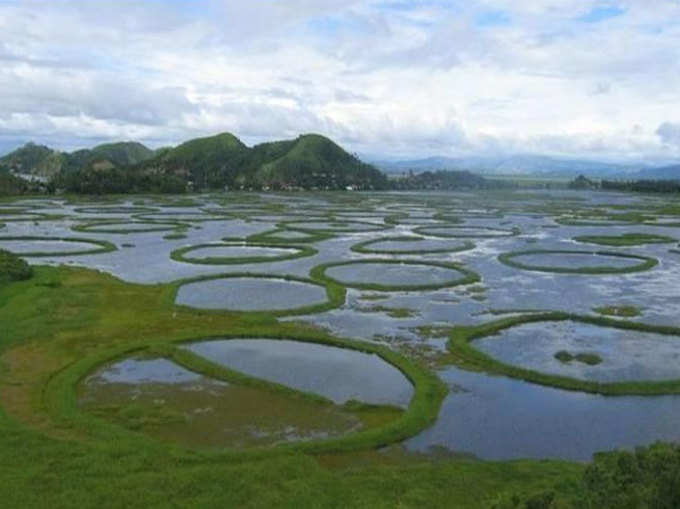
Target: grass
{"points": [[364, 247], [53, 334], [318, 273], [431, 230], [13, 268], [180, 254], [586, 358], [624, 311], [335, 294], [153, 226], [100, 246], [467, 356], [270, 237], [342, 226], [646, 262], [391, 312], [625, 239]]}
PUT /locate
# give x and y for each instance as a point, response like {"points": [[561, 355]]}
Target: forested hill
{"points": [[222, 161], [310, 161], [39, 160]]}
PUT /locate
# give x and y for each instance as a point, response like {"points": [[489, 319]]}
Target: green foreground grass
{"points": [[60, 321]]}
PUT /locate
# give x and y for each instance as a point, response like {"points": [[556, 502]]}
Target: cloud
{"points": [[669, 134], [566, 77]]}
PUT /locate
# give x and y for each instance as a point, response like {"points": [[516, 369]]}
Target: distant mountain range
{"points": [[531, 165]]}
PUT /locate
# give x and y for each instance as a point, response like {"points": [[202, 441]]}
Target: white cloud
{"points": [[411, 78]]}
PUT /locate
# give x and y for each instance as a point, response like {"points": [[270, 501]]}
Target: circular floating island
{"points": [[394, 275], [457, 231], [239, 393], [575, 352], [183, 217], [122, 209], [333, 226], [227, 253], [258, 293], [411, 245], [125, 227], [585, 351], [54, 246], [625, 239], [577, 262]]}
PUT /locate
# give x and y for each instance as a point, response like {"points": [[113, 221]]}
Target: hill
{"points": [[445, 181], [210, 162], [313, 161], [11, 185], [34, 160], [117, 154], [309, 162]]}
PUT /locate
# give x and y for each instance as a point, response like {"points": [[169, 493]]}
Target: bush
{"points": [[13, 268], [648, 478]]}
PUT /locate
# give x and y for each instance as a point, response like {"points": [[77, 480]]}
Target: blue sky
{"points": [[573, 78]]}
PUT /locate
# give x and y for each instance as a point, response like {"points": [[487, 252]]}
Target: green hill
{"points": [[118, 154], [314, 161], [310, 161], [11, 185], [210, 162], [35, 160]]}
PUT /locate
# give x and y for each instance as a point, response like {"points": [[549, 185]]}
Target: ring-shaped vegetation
{"points": [[180, 254], [477, 232], [625, 239], [575, 221], [466, 277], [25, 216], [119, 227], [467, 356], [365, 247], [182, 217], [334, 226], [335, 294], [61, 394], [644, 262], [283, 236], [99, 246], [122, 209]]}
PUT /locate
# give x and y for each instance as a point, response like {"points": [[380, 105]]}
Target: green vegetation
{"points": [[645, 478], [645, 263], [445, 181], [364, 247], [434, 231], [11, 185], [625, 311], [43, 161], [391, 312], [273, 237], [467, 356], [180, 254], [33, 159], [333, 226], [99, 246], [318, 273], [13, 268], [586, 358], [625, 239], [128, 227], [54, 454], [335, 293]]}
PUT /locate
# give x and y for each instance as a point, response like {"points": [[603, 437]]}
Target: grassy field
{"points": [[63, 320]]}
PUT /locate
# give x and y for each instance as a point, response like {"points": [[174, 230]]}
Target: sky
{"points": [[590, 79]]}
